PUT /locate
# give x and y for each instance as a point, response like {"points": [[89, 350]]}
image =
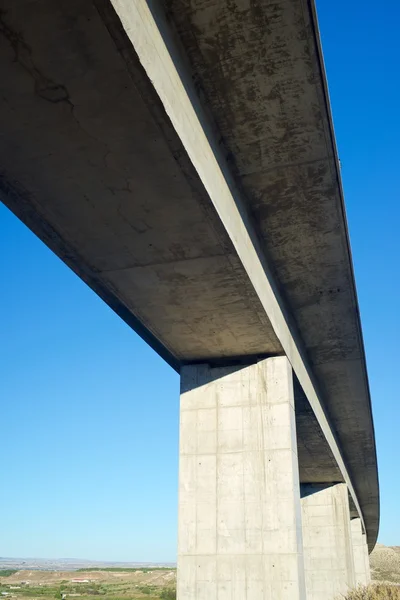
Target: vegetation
{"points": [[375, 592], [86, 591], [7, 572], [124, 570], [168, 594], [36, 591]]}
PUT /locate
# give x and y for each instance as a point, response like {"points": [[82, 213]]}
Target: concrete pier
{"points": [[360, 551], [240, 535], [327, 539]]}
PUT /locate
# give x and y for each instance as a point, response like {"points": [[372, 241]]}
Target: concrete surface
{"points": [[327, 540], [260, 70], [166, 69], [317, 463], [366, 559], [223, 252], [240, 535], [360, 552]]}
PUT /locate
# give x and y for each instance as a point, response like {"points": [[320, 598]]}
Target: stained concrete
{"points": [[317, 463], [260, 72], [240, 535], [327, 540], [91, 161], [366, 559], [360, 552]]}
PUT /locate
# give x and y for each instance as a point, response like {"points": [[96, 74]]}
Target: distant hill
{"points": [[70, 564], [385, 563]]}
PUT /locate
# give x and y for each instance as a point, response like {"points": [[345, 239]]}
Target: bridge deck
{"points": [[91, 162]]}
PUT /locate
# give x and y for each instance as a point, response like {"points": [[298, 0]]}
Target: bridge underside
{"points": [[92, 163]]}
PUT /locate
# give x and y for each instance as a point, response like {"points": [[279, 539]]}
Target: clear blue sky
{"points": [[89, 413]]}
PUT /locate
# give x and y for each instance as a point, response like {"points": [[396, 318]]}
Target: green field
{"points": [[87, 591], [122, 569]]}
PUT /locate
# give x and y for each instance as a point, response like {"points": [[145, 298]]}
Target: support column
{"points": [[240, 534], [366, 557], [327, 542], [360, 551]]}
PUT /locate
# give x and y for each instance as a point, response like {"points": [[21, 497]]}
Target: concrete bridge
{"points": [[179, 156]]}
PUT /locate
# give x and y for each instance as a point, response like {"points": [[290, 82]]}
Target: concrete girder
{"points": [[162, 59]]}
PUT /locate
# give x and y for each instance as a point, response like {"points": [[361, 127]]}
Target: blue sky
{"points": [[89, 413]]}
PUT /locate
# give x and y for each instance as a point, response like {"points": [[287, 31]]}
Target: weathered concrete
{"points": [[185, 168], [240, 535], [166, 68], [328, 549], [360, 552], [366, 559], [260, 68], [317, 463]]}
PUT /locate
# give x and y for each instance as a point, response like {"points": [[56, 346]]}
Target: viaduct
{"points": [[179, 156]]}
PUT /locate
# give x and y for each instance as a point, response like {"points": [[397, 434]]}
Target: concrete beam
{"points": [[261, 75], [328, 549], [240, 535], [316, 461], [165, 65]]}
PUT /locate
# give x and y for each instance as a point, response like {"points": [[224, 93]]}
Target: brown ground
{"points": [[385, 563], [385, 566], [156, 577]]}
